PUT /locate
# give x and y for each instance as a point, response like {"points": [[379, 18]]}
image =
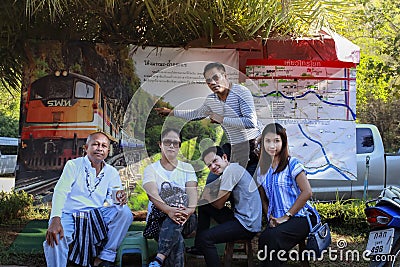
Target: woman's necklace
{"points": [[90, 188]]}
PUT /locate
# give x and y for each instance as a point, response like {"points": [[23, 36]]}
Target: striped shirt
{"points": [[282, 190], [240, 118]]}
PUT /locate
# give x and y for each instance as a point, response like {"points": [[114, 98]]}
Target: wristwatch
{"points": [[289, 214]]}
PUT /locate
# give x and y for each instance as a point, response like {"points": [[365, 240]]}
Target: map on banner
{"points": [[316, 104], [326, 148]]}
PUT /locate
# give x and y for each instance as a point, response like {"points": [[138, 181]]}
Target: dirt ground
{"points": [[9, 233]]}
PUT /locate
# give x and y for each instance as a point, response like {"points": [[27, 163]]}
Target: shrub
{"points": [[344, 214], [138, 200], [40, 212], [15, 205]]}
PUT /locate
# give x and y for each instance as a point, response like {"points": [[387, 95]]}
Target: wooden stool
{"points": [[246, 248]]}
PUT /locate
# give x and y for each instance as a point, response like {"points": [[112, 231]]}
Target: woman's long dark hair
{"points": [[265, 159]]}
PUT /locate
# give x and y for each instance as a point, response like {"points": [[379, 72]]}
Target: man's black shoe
{"points": [[195, 252]]}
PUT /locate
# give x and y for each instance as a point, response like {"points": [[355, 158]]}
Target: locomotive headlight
{"points": [[64, 73], [57, 73]]}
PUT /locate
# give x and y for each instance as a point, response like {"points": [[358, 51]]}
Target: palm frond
{"points": [[155, 22]]}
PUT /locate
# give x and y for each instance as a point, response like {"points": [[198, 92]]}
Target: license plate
{"points": [[380, 242]]}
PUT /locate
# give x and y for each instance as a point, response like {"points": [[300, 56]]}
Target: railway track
{"points": [[40, 186]]}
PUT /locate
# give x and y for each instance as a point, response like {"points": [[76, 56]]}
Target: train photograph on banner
{"points": [[61, 110]]}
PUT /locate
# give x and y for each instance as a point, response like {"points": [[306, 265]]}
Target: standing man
{"points": [[78, 204], [244, 221], [232, 106]]}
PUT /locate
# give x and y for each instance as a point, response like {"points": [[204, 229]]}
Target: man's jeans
{"points": [[117, 218]]}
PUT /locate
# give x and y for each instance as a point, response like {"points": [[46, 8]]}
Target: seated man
{"points": [[206, 211], [245, 219], [80, 195]]}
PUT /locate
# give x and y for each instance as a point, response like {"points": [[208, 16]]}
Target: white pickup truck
{"points": [[383, 169]]}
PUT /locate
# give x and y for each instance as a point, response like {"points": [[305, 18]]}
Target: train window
{"points": [[83, 90], [51, 88], [8, 150], [8, 145], [102, 102], [108, 111]]}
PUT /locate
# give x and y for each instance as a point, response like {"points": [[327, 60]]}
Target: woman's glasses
{"points": [[168, 142]]}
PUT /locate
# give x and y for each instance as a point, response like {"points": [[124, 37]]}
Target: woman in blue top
{"points": [[285, 190]]}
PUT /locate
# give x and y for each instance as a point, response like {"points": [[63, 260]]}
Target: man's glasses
{"points": [[216, 77], [167, 142]]}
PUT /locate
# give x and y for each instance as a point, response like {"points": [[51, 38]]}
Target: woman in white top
{"points": [[179, 175]]}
